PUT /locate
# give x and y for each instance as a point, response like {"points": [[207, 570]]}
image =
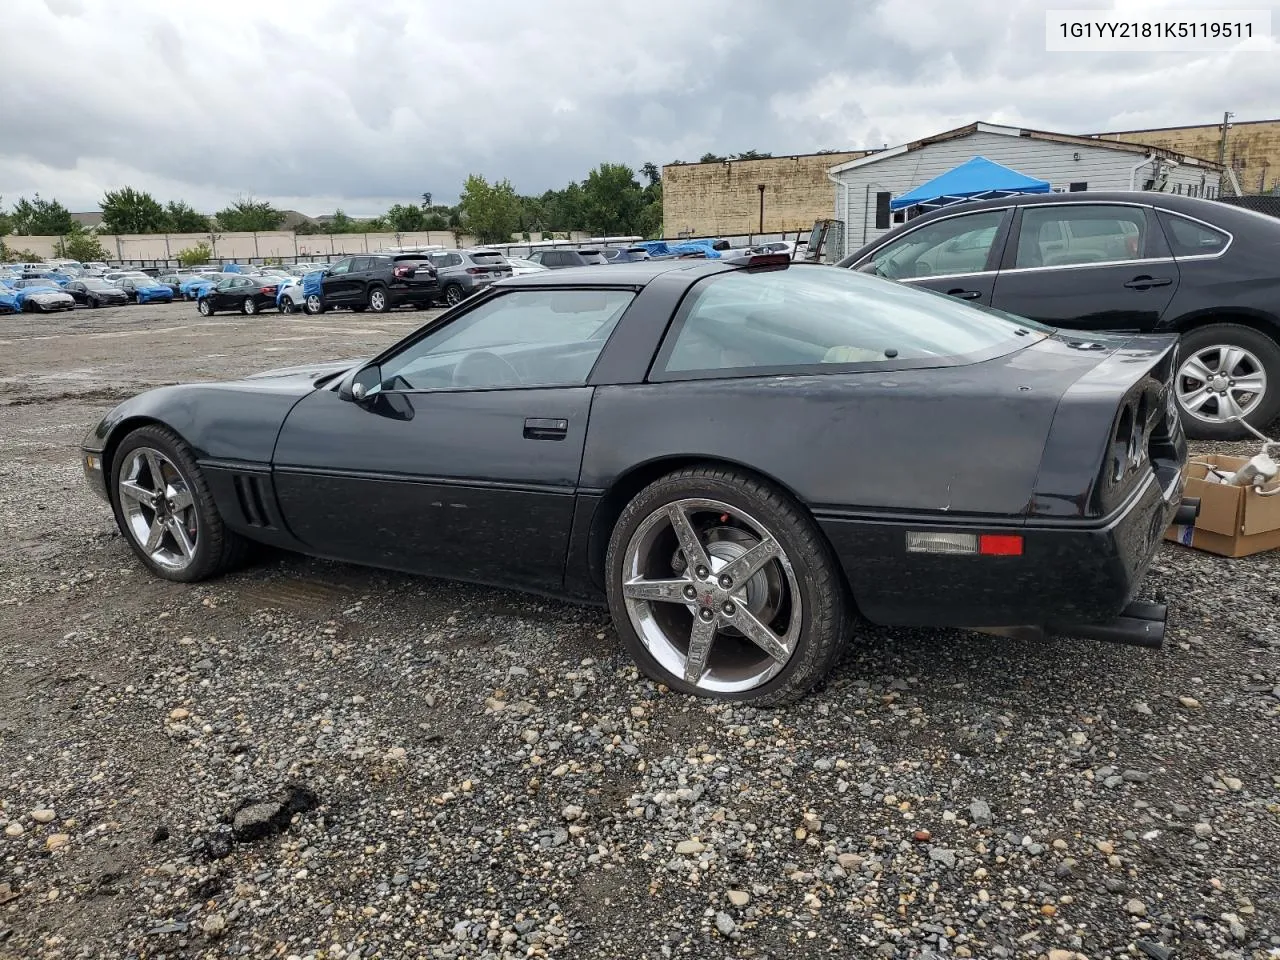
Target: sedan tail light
{"points": [[269, 290]]}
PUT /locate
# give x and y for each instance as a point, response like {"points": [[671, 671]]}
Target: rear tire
{"points": [[249, 306], [1227, 356], [215, 548], [798, 590], [379, 302]]}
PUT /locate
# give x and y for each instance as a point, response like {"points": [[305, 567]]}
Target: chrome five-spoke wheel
{"points": [[158, 507], [711, 595], [1220, 383]]}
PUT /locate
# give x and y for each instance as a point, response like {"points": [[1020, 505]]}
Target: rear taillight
{"points": [[268, 289], [980, 544], [402, 273], [475, 270]]}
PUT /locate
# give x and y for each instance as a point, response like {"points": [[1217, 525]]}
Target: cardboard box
{"points": [[1233, 521]]}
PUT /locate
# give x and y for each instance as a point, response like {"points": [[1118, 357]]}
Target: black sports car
{"points": [[243, 293], [93, 292], [737, 457]]}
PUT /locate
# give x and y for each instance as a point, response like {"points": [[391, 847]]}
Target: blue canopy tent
{"points": [[976, 179]]}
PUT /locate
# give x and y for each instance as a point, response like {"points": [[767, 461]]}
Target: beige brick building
{"points": [[1252, 150], [724, 198]]}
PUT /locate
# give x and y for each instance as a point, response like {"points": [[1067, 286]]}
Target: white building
{"points": [[864, 187]]}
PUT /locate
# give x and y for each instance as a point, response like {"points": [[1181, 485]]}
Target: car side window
{"points": [[342, 266], [955, 245], [455, 260], [360, 264], [526, 338], [1188, 238], [812, 318], [1079, 234], [535, 257]]}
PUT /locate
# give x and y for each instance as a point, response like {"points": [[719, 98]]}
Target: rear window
{"points": [[1188, 238], [488, 258], [813, 318]]}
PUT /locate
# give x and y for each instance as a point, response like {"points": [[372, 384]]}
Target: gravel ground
{"points": [[312, 760]]}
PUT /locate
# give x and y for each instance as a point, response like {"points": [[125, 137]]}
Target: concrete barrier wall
{"points": [[247, 246]]}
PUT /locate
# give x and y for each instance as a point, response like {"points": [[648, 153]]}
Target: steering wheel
{"points": [[888, 269], [484, 368]]}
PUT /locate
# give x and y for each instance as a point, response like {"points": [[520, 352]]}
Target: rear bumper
{"points": [[1067, 576]]}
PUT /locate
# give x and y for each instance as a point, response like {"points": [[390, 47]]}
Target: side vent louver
{"points": [[254, 498]]}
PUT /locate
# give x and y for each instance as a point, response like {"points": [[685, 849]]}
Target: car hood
{"points": [[305, 374]]}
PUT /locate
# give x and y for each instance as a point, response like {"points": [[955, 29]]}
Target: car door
{"points": [[77, 291], [358, 280], [956, 255], [336, 286], [1087, 266], [462, 459], [224, 294]]}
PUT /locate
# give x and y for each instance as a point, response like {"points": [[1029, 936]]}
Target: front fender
{"points": [[221, 421]]}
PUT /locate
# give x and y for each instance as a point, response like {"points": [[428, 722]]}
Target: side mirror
{"points": [[868, 267], [360, 384]]}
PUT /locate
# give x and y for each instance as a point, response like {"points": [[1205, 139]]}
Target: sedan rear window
{"points": [[809, 317]]}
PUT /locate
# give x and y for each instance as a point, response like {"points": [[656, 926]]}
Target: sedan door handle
{"points": [[1143, 282], [964, 294], [542, 428]]}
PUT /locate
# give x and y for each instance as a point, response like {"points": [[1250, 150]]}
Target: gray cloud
{"points": [[314, 105]]}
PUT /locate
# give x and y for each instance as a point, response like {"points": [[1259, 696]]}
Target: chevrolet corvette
{"points": [[742, 459]]}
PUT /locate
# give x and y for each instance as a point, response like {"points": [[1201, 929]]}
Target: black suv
{"points": [[380, 281], [555, 259], [1127, 262]]}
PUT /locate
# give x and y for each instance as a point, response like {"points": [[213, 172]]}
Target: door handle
{"points": [[542, 428], [964, 294], [1143, 282]]}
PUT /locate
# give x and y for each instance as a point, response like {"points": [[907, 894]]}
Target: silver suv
{"points": [[464, 272]]}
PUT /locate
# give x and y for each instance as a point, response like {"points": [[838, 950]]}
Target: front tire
{"points": [[314, 304], [205, 308], [165, 511], [720, 585], [93, 303], [1227, 370], [286, 305], [453, 294]]}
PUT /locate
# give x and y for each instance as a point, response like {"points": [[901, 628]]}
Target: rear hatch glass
{"points": [[496, 262]]}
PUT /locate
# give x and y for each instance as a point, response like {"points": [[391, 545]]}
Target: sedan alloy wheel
{"points": [[158, 508], [1221, 382], [249, 306]]}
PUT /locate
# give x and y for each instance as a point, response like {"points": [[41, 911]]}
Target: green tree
{"points": [[491, 213], [340, 223], [651, 215], [752, 155], [407, 218], [712, 158], [565, 209], [192, 256], [651, 173], [247, 215], [132, 211], [81, 245], [6, 220], [613, 200], [181, 218], [40, 218]]}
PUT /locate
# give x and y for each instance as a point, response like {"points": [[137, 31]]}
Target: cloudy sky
{"points": [[325, 103]]}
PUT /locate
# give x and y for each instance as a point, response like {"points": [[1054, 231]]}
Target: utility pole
{"points": [[1222, 146]]}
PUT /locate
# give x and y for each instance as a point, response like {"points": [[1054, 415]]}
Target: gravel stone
{"points": [[492, 778]]}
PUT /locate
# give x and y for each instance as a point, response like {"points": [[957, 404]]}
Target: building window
{"points": [[1079, 186], [882, 211], [899, 216]]}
